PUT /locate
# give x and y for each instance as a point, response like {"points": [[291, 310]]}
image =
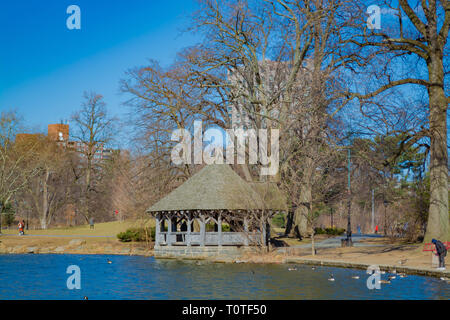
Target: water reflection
{"points": [[127, 277]]}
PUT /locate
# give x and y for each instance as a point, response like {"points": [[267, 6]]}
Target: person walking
{"points": [[91, 223], [441, 251], [376, 229], [21, 227]]}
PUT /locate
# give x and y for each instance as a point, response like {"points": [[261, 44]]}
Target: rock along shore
{"points": [[74, 246], [429, 272]]}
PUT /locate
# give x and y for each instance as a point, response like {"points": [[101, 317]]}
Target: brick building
{"points": [[59, 133]]}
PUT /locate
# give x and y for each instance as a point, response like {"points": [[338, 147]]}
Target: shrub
{"points": [[330, 231], [334, 231], [137, 234], [319, 231], [8, 215], [126, 236]]}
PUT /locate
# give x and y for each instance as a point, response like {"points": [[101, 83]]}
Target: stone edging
{"points": [[341, 264]]}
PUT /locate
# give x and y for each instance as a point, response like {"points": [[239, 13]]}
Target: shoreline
{"points": [[286, 260], [363, 266], [385, 257]]}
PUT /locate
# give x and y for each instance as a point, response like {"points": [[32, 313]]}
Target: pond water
{"points": [[133, 277]]}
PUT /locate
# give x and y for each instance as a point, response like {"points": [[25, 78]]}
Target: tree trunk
{"points": [[87, 190], [45, 200], [301, 215], [438, 218]]}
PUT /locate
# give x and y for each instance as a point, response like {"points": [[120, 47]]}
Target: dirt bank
{"points": [[71, 245]]}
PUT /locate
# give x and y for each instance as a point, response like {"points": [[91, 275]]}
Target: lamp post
{"points": [[347, 242], [349, 225]]}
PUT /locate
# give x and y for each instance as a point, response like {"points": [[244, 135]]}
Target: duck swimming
{"points": [[331, 278]]}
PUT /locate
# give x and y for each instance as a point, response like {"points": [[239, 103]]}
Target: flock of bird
{"points": [[331, 278], [391, 277]]}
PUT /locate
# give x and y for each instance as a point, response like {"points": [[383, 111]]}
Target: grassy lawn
{"points": [[100, 240], [105, 229]]}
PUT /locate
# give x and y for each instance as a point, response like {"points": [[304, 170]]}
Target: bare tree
{"points": [[412, 49], [276, 62], [94, 130], [49, 190], [14, 172]]}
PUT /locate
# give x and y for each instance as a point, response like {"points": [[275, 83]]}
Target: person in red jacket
{"points": [[21, 227], [376, 229]]}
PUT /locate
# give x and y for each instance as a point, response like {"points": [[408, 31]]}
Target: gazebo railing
{"points": [[210, 238]]}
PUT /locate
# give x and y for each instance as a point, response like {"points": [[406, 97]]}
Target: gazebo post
{"points": [[202, 230], [169, 230], [246, 231], [157, 229], [219, 227], [188, 236]]}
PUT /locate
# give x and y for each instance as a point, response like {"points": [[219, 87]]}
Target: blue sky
{"points": [[45, 67]]}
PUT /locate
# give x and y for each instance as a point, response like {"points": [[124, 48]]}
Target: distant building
{"points": [[59, 133], [273, 75], [26, 137], [241, 109], [101, 153]]}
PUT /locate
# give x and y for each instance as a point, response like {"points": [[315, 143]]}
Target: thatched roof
{"points": [[273, 197], [215, 187]]}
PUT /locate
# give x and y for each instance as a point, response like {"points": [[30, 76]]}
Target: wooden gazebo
{"points": [[196, 210]]}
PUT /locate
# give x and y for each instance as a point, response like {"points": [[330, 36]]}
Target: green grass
{"points": [[105, 229]]}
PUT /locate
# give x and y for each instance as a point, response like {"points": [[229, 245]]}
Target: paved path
{"points": [[335, 242]]}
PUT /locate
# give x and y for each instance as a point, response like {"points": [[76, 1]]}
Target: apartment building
{"points": [[59, 133], [273, 76]]}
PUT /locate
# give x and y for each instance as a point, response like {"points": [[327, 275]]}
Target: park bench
{"points": [[432, 248]]}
